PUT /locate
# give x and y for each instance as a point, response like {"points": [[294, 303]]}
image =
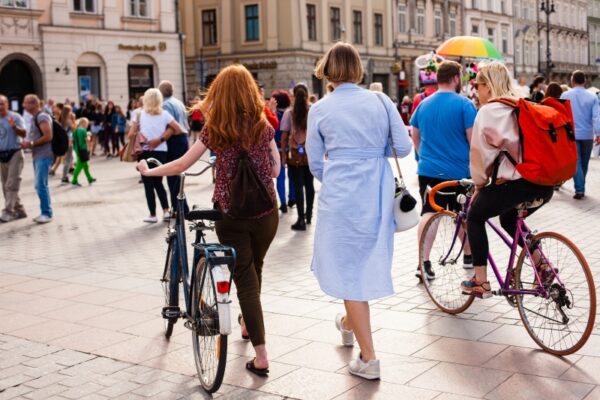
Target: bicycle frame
{"points": [[521, 233]]}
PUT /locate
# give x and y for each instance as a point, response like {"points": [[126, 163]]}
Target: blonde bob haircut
{"points": [[153, 101], [340, 64], [496, 76]]}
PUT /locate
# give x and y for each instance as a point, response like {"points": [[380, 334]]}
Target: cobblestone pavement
{"points": [[80, 308]]}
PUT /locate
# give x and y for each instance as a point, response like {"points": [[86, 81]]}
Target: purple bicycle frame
{"points": [[520, 233]]}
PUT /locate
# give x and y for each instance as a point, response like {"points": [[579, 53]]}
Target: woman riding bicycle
{"points": [[494, 132], [236, 124]]}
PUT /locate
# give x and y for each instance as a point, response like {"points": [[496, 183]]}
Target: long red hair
{"points": [[234, 110]]}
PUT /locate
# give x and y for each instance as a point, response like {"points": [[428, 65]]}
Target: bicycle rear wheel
{"points": [[210, 347], [563, 322], [446, 248], [166, 284]]}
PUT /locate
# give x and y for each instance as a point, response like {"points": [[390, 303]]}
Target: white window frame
{"points": [[84, 11], [437, 18], [15, 4], [452, 22], [420, 19], [402, 13], [136, 14]]}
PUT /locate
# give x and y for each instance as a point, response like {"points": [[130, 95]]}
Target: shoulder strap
{"points": [[507, 102], [390, 139]]}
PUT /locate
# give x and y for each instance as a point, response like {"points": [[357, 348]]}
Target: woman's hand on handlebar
{"points": [[142, 167]]}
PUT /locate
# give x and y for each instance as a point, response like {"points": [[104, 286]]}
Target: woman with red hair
{"points": [[236, 124]]}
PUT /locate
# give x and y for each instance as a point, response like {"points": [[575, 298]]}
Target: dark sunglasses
{"points": [[477, 84]]}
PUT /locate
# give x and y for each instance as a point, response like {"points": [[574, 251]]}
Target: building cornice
{"points": [[107, 32], [20, 12], [279, 53]]}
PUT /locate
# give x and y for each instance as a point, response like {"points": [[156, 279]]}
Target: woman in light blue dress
{"points": [[347, 145]]}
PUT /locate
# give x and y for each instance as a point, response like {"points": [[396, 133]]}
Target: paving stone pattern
{"points": [[80, 303]]}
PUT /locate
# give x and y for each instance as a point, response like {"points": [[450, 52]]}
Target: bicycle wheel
{"points": [[563, 322], [446, 249], [210, 347], [166, 284]]}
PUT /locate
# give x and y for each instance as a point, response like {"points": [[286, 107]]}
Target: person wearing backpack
{"points": [[40, 142], [499, 187], [586, 115], [244, 143]]}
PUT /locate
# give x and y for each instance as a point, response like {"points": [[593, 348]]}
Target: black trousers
{"points": [[177, 145], [154, 183], [494, 200], [302, 180]]}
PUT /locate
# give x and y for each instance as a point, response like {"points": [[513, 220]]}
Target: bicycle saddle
{"points": [[206, 214]]}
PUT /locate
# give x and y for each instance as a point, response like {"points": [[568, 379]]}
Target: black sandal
{"points": [[264, 372], [245, 337]]}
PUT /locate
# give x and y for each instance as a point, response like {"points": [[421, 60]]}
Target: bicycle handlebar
{"points": [[466, 183], [211, 161]]}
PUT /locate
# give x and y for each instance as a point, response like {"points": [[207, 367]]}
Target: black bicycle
{"points": [[205, 291]]}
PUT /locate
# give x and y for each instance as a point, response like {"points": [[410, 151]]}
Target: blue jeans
{"points": [[281, 187], [41, 168], [584, 152]]}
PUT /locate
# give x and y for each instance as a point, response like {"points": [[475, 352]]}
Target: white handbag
{"points": [[405, 210]]}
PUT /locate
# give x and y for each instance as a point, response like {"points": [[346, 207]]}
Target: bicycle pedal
{"points": [[171, 312]]}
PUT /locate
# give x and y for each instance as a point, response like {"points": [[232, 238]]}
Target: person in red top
{"points": [[270, 109], [428, 79]]}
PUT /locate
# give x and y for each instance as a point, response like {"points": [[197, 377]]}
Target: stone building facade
{"points": [[594, 37], [74, 49], [569, 40], [526, 38], [420, 26], [493, 20], [280, 41]]}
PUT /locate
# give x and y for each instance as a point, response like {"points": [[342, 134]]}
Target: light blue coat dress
{"points": [[347, 147]]}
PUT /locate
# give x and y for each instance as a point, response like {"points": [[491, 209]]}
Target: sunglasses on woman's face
{"points": [[477, 84]]}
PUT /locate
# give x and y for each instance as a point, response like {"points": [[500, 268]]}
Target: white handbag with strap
{"points": [[405, 210]]}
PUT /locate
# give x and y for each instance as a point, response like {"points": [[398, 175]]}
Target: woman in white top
{"points": [[156, 126], [495, 131]]}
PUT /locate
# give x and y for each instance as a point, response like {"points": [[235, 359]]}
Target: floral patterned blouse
{"points": [[226, 167]]}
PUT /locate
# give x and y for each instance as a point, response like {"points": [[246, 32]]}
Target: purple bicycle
{"points": [[558, 310]]}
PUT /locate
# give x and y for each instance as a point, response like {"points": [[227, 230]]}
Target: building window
{"points": [[336, 24], [474, 4], [420, 20], [85, 6], [402, 18], [525, 10], [438, 22], [138, 8], [311, 19], [209, 27], [505, 40], [357, 23], [140, 79], [378, 29], [518, 53], [502, 7], [453, 23], [14, 3], [252, 28], [475, 30], [490, 32], [490, 5], [88, 79]]}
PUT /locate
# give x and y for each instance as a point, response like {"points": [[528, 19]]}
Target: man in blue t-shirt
{"points": [[441, 132]]}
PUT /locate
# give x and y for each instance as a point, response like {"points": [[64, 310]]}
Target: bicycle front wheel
{"points": [[563, 322], [210, 347], [166, 284], [441, 245]]}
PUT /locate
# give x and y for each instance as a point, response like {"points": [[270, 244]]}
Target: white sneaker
{"points": [[368, 370], [151, 219], [347, 335], [167, 216], [42, 219], [7, 217]]}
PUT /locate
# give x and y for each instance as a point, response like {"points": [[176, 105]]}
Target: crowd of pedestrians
{"points": [[342, 140]]}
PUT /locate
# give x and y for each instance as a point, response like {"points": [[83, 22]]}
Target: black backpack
{"points": [[248, 195], [60, 140]]}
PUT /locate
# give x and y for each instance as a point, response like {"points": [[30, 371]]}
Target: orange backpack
{"points": [[547, 140]]}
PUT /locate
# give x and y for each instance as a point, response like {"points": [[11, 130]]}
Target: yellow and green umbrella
{"points": [[469, 46]]}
